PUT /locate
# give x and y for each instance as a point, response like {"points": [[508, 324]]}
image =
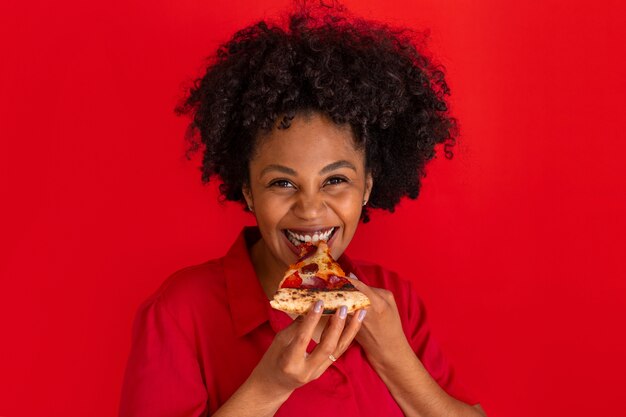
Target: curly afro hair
{"points": [[360, 72]]}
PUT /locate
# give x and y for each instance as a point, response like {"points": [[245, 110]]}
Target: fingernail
{"points": [[353, 276], [318, 306], [361, 315], [343, 312]]}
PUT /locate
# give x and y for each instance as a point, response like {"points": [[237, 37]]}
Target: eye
{"points": [[281, 184], [336, 180]]}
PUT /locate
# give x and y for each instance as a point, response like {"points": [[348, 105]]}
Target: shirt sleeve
{"points": [[163, 376], [430, 354]]}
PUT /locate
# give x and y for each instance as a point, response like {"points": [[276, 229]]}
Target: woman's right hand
{"points": [[286, 364]]}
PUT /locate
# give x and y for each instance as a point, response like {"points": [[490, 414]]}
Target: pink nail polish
{"points": [[361, 315], [318, 306], [343, 312]]}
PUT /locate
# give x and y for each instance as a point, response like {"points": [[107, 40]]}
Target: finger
{"points": [[305, 326], [351, 275], [350, 331], [359, 285], [330, 337]]}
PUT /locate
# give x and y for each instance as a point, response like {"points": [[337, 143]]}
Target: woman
{"points": [[307, 125]]}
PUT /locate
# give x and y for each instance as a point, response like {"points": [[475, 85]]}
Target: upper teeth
{"points": [[297, 239]]}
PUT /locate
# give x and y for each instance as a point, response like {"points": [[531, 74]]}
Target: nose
{"points": [[309, 206]]}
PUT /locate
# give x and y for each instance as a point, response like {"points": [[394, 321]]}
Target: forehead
{"points": [[311, 139]]}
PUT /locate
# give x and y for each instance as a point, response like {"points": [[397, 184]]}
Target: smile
{"points": [[298, 237]]}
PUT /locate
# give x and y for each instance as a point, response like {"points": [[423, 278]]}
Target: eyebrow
{"points": [[328, 168], [336, 165], [279, 168]]}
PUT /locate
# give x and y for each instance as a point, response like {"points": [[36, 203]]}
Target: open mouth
{"points": [[298, 237]]}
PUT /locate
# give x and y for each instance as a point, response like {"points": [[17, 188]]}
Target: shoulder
{"points": [[194, 280], [190, 289]]}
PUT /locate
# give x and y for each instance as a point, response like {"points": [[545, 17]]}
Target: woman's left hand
{"points": [[381, 334], [390, 354]]}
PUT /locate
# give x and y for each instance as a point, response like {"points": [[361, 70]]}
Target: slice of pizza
{"points": [[316, 276]]}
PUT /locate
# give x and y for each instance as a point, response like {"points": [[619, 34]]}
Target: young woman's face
{"points": [[307, 182]]}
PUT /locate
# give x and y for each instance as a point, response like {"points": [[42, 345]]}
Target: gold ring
{"points": [[332, 358]]}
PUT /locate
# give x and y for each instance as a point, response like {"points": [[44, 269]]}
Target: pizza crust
{"points": [[301, 300]]}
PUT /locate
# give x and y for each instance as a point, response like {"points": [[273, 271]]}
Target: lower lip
{"points": [[295, 249]]}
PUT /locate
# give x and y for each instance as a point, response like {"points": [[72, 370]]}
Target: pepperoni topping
{"points": [[335, 282], [310, 269], [314, 282], [334, 279], [293, 281]]}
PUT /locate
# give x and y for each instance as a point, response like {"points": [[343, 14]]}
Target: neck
{"points": [[268, 269]]}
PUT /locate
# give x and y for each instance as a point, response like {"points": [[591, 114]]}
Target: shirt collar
{"points": [[249, 306]]}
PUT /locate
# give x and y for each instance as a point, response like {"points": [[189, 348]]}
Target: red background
{"points": [[517, 240]]}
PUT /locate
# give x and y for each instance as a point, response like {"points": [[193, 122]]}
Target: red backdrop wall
{"points": [[516, 244]]}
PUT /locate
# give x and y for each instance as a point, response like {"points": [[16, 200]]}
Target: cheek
{"points": [[270, 210], [348, 208]]}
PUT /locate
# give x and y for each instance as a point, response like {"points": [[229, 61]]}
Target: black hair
{"points": [[374, 77]]}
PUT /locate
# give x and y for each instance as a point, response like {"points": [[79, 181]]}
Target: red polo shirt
{"points": [[197, 339]]}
